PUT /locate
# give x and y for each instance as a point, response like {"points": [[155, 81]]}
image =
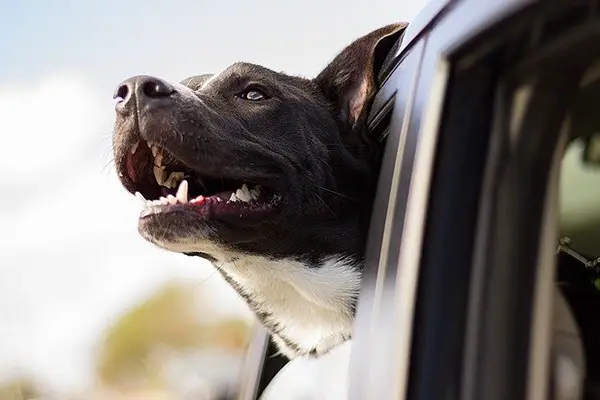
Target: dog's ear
{"points": [[195, 82], [349, 81]]}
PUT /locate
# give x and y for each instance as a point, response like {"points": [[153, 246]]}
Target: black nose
{"points": [[144, 89]]}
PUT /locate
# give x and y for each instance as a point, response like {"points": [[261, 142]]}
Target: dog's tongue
{"points": [[221, 204]]}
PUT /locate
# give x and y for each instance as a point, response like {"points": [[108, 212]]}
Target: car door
{"points": [[458, 287]]}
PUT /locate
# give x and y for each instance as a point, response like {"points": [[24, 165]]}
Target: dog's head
{"points": [[251, 160]]}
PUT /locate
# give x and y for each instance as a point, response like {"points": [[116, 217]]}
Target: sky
{"points": [[71, 260]]}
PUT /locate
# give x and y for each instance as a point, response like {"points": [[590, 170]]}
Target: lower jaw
{"points": [[216, 206]]}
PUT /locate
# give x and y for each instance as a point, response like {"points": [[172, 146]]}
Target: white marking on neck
{"points": [[311, 304]]}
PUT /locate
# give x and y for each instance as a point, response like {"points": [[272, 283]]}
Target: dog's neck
{"points": [[308, 308]]}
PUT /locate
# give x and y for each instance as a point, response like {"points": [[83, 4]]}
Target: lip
{"points": [[216, 207], [151, 171]]}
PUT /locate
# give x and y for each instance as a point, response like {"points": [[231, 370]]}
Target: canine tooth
{"points": [[159, 174], [233, 197], [154, 150], [172, 199], [140, 197], [182, 192], [134, 147]]}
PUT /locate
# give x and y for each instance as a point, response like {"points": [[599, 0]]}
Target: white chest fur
{"points": [[309, 306]]}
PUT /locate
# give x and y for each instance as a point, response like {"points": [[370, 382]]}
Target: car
{"points": [[481, 276]]}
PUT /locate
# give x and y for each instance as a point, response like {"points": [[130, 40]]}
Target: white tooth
{"points": [[149, 203], [163, 201], [134, 147], [149, 144], [243, 194], [245, 189], [233, 198], [154, 151], [172, 199], [239, 194], [140, 197], [182, 192], [159, 174]]}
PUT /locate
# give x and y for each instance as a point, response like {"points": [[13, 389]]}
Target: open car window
{"points": [[487, 201]]}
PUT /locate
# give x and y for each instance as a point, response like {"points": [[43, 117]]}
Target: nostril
{"points": [[141, 90], [155, 88], [121, 92]]}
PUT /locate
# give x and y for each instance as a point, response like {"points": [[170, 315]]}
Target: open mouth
{"points": [[164, 184]]}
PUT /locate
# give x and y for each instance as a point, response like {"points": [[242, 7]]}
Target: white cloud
{"points": [[48, 122], [71, 258]]}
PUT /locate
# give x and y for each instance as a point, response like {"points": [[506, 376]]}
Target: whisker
{"points": [[207, 278], [325, 204], [333, 191], [110, 164]]}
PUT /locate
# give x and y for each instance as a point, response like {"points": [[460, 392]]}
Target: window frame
{"points": [[445, 56]]}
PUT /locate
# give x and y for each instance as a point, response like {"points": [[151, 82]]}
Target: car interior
{"points": [[577, 326]]}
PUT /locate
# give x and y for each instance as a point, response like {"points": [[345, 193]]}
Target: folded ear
{"points": [[195, 82], [349, 81]]}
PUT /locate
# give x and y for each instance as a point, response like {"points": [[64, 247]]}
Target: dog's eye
{"points": [[253, 95]]}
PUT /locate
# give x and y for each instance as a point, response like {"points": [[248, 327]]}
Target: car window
{"points": [[576, 366]]}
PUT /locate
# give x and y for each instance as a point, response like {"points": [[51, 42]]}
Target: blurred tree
{"points": [[168, 320], [19, 389]]}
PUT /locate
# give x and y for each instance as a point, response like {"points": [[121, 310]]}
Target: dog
{"points": [[269, 176]]}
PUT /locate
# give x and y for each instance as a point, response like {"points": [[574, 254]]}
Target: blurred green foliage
{"points": [[18, 389], [168, 320]]}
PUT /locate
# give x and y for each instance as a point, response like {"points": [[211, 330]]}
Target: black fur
{"points": [[306, 141], [301, 142]]}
